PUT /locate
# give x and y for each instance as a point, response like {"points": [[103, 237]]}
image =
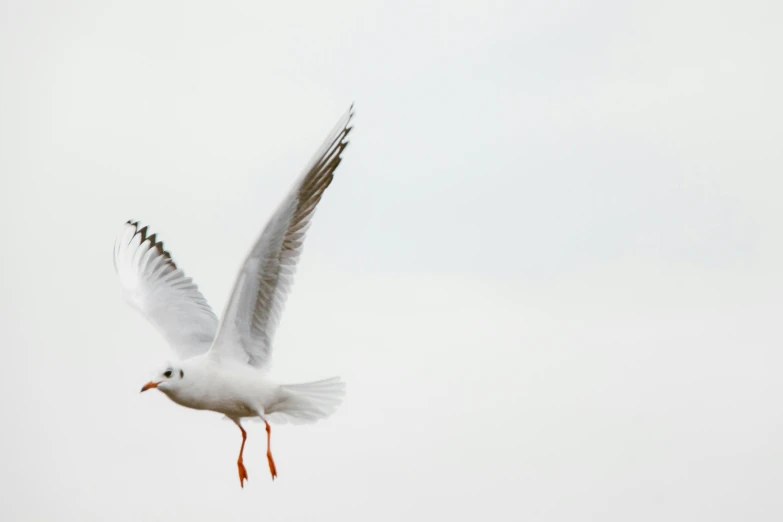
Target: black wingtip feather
{"points": [[154, 243]]}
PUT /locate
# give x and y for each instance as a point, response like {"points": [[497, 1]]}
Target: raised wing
{"points": [[262, 286], [152, 284]]}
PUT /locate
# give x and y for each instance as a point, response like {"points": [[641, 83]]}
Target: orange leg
{"points": [[272, 468], [240, 465]]}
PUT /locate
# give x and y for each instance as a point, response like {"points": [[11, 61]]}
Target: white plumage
{"points": [[218, 364], [152, 284]]}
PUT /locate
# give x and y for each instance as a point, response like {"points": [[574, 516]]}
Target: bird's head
{"points": [[166, 379]]}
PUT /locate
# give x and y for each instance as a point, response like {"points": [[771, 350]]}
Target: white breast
{"points": [[234, 392]]}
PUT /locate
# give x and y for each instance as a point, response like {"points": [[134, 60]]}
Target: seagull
{"points": [[220, 366]]}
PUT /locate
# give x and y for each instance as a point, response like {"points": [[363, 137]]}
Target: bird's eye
{"points": [[167, 373]]}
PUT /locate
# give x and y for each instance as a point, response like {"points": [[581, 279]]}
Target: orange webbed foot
{"points": [[272, 468], [242, 473]]}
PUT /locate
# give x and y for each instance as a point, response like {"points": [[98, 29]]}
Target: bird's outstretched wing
{"points": [[152, 284], [262, 286]]}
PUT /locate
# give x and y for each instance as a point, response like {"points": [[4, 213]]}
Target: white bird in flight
{"points": [[219, 365]]}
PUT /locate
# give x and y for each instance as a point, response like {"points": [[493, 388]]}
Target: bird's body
{"points": [[236, 391], [240, 391], [218, 365]]}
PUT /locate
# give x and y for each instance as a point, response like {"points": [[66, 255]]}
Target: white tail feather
{"points": [[308, 402]]}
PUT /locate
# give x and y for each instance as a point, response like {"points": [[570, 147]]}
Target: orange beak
{"points": [[149, 385]]}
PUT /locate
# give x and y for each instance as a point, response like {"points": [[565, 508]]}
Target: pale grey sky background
{"points": [[549, 267]]}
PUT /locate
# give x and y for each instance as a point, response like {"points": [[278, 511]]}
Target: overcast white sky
{"points": [[549, 267]]}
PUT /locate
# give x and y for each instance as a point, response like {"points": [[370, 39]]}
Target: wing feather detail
{"points": [[152, 284], [253, 312]]}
